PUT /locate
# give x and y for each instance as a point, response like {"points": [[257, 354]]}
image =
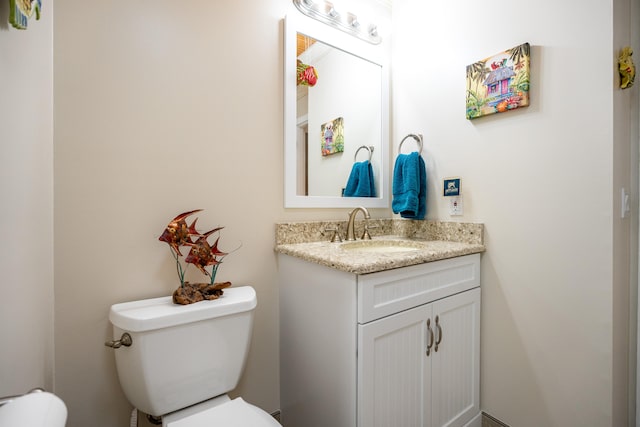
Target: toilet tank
{"points": [[182, 354]]}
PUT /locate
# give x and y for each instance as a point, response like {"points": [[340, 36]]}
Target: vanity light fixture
{"points": [[353, 21], [324, 11]]}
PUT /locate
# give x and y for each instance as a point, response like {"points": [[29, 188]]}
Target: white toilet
{"points": [[183, 359], [34, 409]]}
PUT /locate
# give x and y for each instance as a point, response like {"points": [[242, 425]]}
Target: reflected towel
{"points": [[410, 186], [360, 182]]}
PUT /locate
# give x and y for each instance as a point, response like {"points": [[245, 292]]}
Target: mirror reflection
{"points": [[338, 121], [336, 114]]}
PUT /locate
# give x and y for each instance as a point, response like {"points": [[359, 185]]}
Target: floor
{"points": [[487, 420]]}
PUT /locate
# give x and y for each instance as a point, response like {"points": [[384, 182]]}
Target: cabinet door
{"points": [[455, 365], [393, 375]]}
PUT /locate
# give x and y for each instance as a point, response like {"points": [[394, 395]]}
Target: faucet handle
{"points": [[365, 233], [336, 234]]}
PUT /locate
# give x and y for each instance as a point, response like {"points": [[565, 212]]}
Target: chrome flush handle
{"points": [[125, 340]]}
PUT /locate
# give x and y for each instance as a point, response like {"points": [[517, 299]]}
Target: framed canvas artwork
{"points": [[332, 136], [499, 83]]}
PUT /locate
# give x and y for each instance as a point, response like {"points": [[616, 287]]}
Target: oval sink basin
{"points": [[381, 246]]}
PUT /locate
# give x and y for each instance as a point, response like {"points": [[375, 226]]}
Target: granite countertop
{"points": [[428, 240]]}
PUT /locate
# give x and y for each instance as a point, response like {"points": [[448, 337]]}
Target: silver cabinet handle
{"points": [[438, 332], [125, 340], [430, 340]]}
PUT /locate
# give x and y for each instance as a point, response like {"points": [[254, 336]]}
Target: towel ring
{"points": [[417, 137], [369, 148]]}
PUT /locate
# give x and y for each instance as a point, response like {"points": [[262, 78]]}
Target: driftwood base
{"points": [[194, 292]]}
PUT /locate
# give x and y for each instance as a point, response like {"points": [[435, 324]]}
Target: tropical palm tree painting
{"points": [[499, 83]]}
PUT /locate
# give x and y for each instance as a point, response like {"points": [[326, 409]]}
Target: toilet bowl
{"points": [[179, 362], [224, 412]]}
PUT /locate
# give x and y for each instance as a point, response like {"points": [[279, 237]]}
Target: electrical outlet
{"points": [[455, 205]]}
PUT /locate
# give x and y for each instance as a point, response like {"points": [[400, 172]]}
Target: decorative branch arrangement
{"points": [[202, 255]]}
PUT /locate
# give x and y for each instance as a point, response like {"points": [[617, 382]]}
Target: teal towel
{"points": [[360, 182], [410, 186]]}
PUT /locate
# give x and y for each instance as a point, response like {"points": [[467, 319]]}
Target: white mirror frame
{"points": [[350, 44]]}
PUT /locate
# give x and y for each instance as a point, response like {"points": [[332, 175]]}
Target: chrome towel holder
{"points": [[366, 147], [417, 137]]}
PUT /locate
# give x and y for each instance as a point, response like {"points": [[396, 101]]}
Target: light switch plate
{"points": [[455, 205], [625, 208]]}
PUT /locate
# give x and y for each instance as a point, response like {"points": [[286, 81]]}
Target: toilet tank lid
{"points": [[157, 313]]}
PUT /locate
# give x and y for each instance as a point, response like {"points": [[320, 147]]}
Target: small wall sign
{"points": [[451, 187]]}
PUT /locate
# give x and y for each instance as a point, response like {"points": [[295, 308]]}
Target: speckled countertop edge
{"points": [[438, 240]]}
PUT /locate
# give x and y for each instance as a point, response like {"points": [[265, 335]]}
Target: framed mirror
{"points": [[339, 120]]}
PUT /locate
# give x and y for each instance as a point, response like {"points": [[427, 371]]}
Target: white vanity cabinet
{"points": [[396, 348], [420, 367]]}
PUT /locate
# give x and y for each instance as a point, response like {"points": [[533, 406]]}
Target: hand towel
{"points": [[360, 182], [410, 186]]}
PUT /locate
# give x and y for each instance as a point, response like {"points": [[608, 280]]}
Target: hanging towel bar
{"points": [[369, 148], [417, 137]]}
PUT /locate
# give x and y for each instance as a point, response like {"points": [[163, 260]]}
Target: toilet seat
{"points": [[234, 413], [34, 409]]}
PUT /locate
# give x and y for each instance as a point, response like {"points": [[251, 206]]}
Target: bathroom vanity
{"points": [[380, 338]]}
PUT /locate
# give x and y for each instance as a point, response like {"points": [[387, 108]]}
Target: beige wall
{"points": [[26, 204], [546, 182], [163, 107], [626, 31]]}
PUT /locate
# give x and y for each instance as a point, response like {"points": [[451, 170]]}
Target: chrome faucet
{"points": [[351, 235]]}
